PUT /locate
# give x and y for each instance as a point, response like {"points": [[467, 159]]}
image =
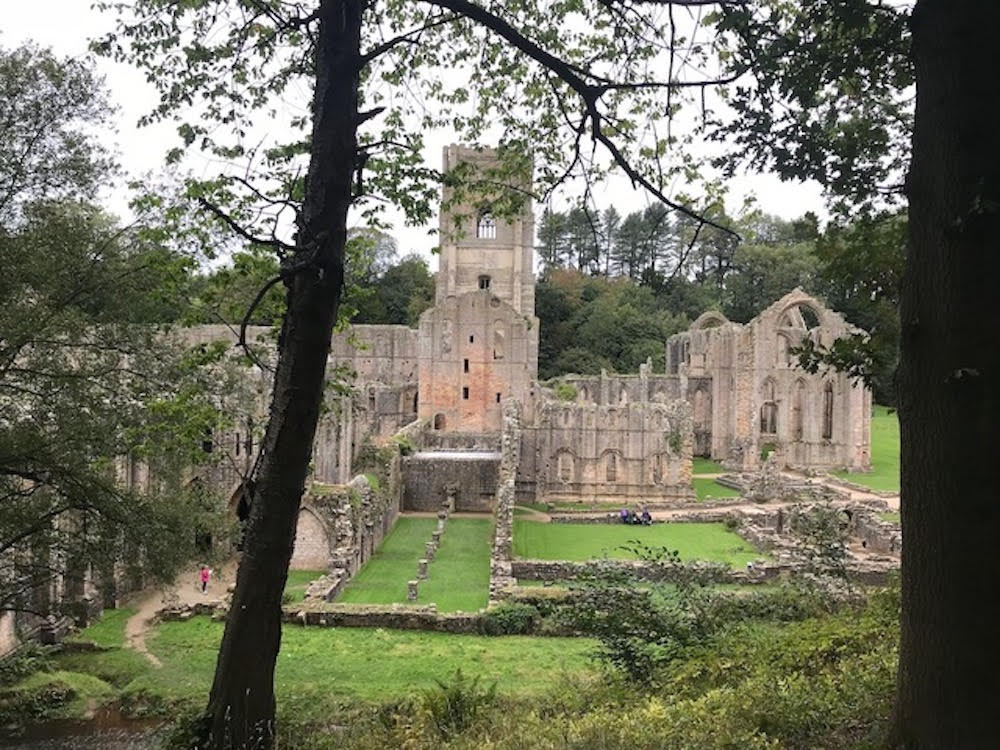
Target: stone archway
{"points": [[312, 543]]}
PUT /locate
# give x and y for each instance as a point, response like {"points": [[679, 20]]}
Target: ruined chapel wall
{"points": [[638, 450], [759, 397]]}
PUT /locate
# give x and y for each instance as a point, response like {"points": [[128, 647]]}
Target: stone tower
{"points": [[481, 249], [479, 344]]}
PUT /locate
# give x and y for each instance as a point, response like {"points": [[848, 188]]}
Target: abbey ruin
{"points": [[730, 392]]}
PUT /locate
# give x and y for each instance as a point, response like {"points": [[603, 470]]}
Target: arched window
{"points": [[769, 418], [769, 409], [564, 466], [611, 468], [486, 228], [828, 411], [439, 421], [798, 406]]}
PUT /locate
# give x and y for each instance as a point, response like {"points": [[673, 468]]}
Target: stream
{"points": [[108, 729]]}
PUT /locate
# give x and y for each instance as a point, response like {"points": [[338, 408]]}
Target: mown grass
{"points": [[458, 577], [567, 541], [383, 578], [884, 453], [322, 668], [701, 465], [298, 581], [109, 631], [706, 487], [891, 517]]}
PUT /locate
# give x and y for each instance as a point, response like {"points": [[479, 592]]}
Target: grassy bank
{"points": [[319, 671]]}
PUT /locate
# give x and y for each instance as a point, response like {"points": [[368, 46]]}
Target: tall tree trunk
{"points": [[241, 707], [949, 385]]}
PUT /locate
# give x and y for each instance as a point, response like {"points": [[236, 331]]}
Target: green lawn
{"points": [[706, 487], [567, 541], [892, 517], [109, 630], [884, 452], [458, 578], [318, 666], [320, 669], [701, 465], [383, 578], [298, 581]]}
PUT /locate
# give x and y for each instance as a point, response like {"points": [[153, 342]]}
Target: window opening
{"points": [[828, 411], [486, 229], [611, 468], [465, 392], [484, 282]]}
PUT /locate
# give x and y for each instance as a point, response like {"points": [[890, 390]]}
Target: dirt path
{"points": [[184, 590]]}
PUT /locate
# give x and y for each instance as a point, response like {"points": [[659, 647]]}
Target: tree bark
{"points": [[949, 385], [241, 707]]}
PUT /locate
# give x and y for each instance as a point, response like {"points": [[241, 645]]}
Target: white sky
{"points": [[67, 25]]}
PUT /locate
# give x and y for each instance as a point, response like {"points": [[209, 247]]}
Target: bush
{"points": [[31, 658], [453, 706], [510, 618], [786, 603], [565, 391], [31, 705]]}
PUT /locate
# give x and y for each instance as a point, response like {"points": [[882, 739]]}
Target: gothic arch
{"points": [[565, 466], [710, 319], [312, 542], [611, 464], [768, 408]]}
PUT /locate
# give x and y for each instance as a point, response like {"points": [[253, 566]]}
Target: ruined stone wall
{"points": [[585, 450], [475, 351], [340, 527], [503, 527], [619, 390], [744, 381], [469, 477]]}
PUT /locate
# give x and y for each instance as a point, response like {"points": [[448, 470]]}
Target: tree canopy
{"points": [[90, 384]]}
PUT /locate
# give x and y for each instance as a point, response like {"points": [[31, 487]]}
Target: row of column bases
{"points": [[430, 549]]}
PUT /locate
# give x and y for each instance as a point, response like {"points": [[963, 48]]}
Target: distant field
{"points": [[568, 541], [884, 453], [458, 578]]}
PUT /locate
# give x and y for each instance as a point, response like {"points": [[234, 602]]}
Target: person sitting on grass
{"points": [[624, 514], [647, 520]]}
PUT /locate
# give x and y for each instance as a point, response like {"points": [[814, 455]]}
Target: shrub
{"points": [[565, 391], [510, 618], [453, 706], [31, 658]]}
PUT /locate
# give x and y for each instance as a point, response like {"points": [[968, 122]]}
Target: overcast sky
{"points": [[67, 25]]}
